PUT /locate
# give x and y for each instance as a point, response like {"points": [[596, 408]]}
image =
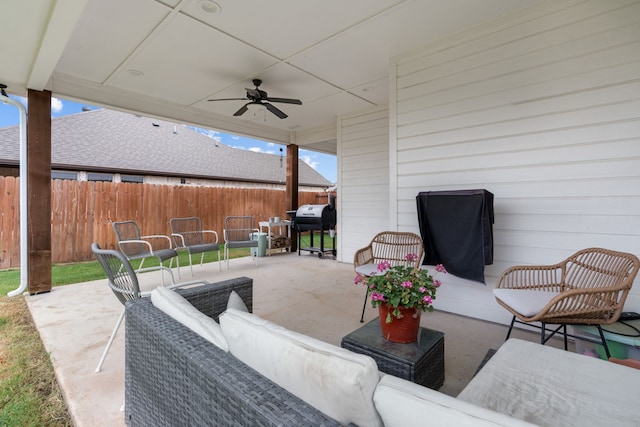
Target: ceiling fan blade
{"points": [[228, 99], [285, 100], [242, 109], [275, 110]]}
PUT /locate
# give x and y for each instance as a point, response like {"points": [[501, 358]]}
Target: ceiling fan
{"points": [[260, 97]]}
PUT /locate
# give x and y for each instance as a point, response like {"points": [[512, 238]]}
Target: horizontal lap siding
{"points": [[543, 110], [363, 152], [82, 212]]}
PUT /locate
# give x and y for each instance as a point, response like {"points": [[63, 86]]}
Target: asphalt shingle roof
{"points": [[120, 142]]}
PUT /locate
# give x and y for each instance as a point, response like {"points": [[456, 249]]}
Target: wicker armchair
{"points": [[391, 246], [588, 288]]}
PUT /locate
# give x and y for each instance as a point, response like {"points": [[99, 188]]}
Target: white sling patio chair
{"points": [[135, 246], [187, 234], [238, 231]]}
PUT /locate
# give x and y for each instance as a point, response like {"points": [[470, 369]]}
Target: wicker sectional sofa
{"points": [[174, 377]]}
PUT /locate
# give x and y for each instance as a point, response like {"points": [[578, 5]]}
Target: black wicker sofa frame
{"points": [[174, 377]]}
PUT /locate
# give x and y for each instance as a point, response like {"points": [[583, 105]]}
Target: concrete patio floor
{"points": [[303, 293]]}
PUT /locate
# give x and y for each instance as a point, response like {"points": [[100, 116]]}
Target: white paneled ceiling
{"points": [[166, 58]]}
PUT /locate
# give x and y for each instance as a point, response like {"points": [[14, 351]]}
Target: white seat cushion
{"points": [[552, 387], [527, 302], [367, 269], [176, 306], [404, 404], [333, 380]]}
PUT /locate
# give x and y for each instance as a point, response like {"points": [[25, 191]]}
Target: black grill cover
{"points": [[457, 230]]}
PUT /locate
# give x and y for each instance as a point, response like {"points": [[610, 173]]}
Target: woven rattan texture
{"points": [[422, 365], [593, 285], [173, 377], [392, 246]]}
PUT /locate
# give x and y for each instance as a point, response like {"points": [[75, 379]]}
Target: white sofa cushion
{"points": [[176, 306], [527, 302], [405, 404], [552, 387], [236, 302], [335, 381]]}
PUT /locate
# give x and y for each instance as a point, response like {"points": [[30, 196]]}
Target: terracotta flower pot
{"points": [[401, 329]]}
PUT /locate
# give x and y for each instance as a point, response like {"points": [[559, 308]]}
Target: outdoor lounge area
{"points": [[312, 296]]}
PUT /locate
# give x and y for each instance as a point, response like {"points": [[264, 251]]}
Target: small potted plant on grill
{"points": [[401, 294]]}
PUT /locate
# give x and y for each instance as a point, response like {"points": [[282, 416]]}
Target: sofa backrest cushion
{"points": [[335, 381], [401, 403], [176, 306], [236, 302]]}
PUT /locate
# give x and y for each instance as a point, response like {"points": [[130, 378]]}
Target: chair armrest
{"points": [[543, 277], [603, 304], [158, 236], [179, 240], [121, 243], [215, 233], [363, 256]]}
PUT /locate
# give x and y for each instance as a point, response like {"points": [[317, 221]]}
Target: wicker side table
{"points": [[421, 362]]}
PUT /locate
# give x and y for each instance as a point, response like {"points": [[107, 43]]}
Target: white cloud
{"points": [[308, 160], [56, 105], [213, 134], [255, 149]]}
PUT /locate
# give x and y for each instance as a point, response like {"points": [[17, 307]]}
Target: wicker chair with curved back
{"points": [[391, 246], [588, 288]]}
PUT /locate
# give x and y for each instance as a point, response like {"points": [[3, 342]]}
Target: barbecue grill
{"points": [[315, 218]]}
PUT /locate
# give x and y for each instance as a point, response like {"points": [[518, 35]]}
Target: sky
{"points": [[325, 164]]}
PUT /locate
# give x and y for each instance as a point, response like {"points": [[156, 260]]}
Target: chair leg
{"points": [[542, 331], [366, 297], [191, 264], [510, 328], [604, 342], [113, 335], [219, 261], [566, 342]]}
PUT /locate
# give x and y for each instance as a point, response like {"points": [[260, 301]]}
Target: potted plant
{"points": [[401, 294]]}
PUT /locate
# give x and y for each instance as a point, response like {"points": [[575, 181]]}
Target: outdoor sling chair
{"points": [[391, 246], [123, 281], [135, 246], [187, 234], [238, 233], [588, 288]]}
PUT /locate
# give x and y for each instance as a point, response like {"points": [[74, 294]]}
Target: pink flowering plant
{"points": [[402, 286]]}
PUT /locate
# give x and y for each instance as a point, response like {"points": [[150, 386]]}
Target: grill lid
{"points": [[311, 211]]}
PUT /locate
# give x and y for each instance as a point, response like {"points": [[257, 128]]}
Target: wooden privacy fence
{"points": [[82, 212]]}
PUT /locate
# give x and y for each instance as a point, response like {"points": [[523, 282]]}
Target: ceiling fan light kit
{"points": [[260, 97]]}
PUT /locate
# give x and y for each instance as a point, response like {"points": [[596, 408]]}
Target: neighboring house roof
{"points": [[107, 140]]}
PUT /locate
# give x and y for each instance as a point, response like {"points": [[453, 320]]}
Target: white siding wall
{"points": [[363, 180], [541, 109]]}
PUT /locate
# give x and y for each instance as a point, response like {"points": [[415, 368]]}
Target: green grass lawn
{"points": [[29, 393]]}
